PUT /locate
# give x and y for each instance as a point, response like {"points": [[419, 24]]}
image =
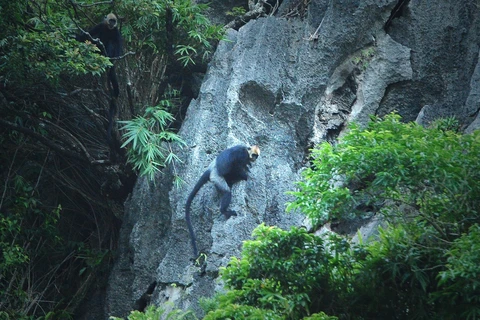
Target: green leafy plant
{"points": [[242, 312], [389, 164], [164, 24], [236, 12], [277, 276], [363, 58], [446, 124], [44, 55], [149, 140], [19, 256], [154, 313], [320, 316], [185, 53], [208, 304], [424, 182], [459, 283]]}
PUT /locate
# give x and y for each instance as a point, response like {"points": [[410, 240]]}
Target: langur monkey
{"points": [[230, 166], [109, 40]]}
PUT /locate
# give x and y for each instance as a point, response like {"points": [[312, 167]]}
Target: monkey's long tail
{"points": [[112, 76], [203, 179]]}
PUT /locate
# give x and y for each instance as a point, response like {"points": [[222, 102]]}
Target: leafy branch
{"points": [[149, 140]]}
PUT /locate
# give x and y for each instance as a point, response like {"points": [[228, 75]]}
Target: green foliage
{"points": [[236, 12], [47, 55], [427, 179], [393, 277], [154, 313], [149, 140], [22, 247], [280, 273], [189, 33], [363, 58], [48, 260], [460, 281], [320, 316], [390, 164], [446, 124], [43, 49], [185, 53], [209, 304], [171, 28], [241, 312]]}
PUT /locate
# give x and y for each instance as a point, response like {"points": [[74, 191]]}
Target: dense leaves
{"points": [[390, 164], [280, 273], [170, 26], [38, 47], [148, 137], [29, 240], [154, 313], [459, 282], [46, 56]]}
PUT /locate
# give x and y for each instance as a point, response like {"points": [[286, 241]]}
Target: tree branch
{"points": [[129, 53], [76, 141]]}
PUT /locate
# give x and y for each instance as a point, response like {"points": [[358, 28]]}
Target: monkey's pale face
{"points": [[254, 153], [111, 20]]}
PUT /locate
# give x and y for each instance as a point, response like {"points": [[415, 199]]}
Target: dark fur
{"points": [[108, 39], [111, 39], [231, 165], [110, 43]]}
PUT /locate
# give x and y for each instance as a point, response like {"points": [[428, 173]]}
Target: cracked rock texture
{"points": [[285, 85]]}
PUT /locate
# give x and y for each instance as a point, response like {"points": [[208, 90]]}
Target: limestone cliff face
{"points": [[285, 83]]}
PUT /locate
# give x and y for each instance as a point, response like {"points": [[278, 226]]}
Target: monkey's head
{"points": [[253, 153], [111, 21]]}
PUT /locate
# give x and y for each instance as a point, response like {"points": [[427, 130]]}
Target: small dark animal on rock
{"points": [[230, 166]]}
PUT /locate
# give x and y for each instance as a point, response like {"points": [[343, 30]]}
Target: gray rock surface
{"points": [[286, 84], [443, 37], [473, 100]]}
